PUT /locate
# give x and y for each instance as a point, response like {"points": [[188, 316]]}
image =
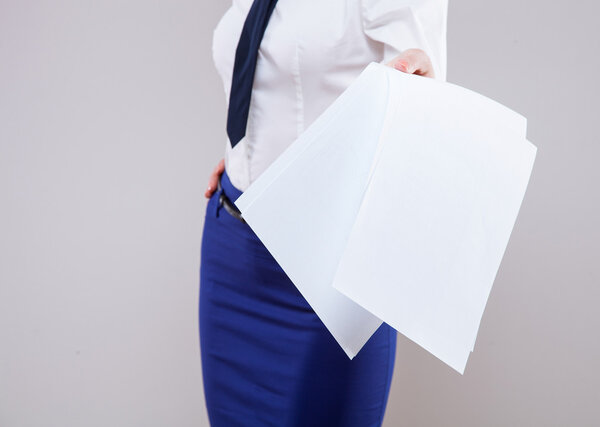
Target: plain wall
{"points": [[111, 118]]}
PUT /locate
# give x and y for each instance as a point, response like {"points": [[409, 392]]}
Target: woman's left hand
{"points": [[413, 61]]}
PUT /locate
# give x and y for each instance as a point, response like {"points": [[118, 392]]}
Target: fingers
{"points": [[413, 61], [214, 177]]}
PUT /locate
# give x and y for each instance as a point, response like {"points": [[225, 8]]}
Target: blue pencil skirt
{"points": [[267, 359]]}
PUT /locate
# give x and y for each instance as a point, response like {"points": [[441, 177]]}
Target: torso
{"points": [[311, 51]]}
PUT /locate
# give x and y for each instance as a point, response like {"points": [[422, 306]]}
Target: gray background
{"points": [[111, 118]]}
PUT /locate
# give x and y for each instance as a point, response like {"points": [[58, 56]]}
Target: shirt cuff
{"points": [[405, 24]]}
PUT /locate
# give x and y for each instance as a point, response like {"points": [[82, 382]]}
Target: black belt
{"points": [[228, 204]]}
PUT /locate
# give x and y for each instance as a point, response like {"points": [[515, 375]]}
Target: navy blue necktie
{"points": [[246, 55]]}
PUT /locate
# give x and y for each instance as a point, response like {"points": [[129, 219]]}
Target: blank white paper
{"points": [[304, 205], [397, 204], [436, 218]]}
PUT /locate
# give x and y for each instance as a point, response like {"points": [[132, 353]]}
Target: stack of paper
{"points": [[396, 205]]}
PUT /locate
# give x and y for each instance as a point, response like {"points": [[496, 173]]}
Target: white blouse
{"points": [[311, 52]]}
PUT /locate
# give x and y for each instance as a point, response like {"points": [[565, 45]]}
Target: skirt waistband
{"points": [[230, 191]]}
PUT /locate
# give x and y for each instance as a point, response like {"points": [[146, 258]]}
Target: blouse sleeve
{"points": [[405, 24]]}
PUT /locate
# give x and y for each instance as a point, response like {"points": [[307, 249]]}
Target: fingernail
{"points": [[209, 188], [402, 66]]}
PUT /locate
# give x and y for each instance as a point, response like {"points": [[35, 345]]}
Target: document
{"points": [[396, 205]]}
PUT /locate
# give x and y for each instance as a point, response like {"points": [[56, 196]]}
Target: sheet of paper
{"points": [[439, 209], [304, 205], [397, 204]]}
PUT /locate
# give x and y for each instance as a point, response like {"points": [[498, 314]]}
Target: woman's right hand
{"points": [[214, 177]]}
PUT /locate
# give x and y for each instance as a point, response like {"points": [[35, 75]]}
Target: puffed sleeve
{"points": [[405, 24]]}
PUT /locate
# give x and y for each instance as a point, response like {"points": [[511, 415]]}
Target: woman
{"points": [[266, 357]]}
